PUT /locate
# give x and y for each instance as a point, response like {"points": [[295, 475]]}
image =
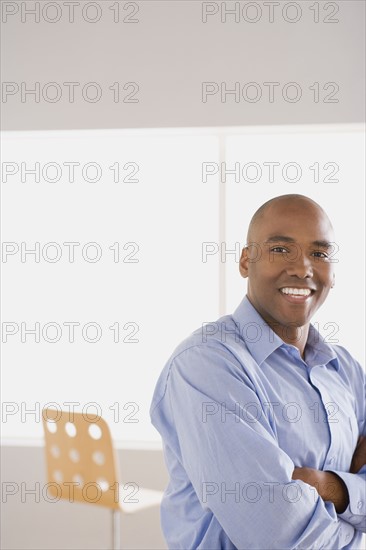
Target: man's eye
{"points": [[320, 254], [281, 249]]}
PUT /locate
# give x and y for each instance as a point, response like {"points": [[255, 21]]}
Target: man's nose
{"points": [[299, 266]]}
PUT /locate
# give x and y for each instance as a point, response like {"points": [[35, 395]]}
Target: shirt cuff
{"points": [[355, 513], [346, 533]]}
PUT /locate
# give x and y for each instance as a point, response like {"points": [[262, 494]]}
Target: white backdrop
{"points": [[109, 307]]}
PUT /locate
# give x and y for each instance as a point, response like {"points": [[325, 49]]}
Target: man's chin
{"points": [[296, 319], [297, 323]]}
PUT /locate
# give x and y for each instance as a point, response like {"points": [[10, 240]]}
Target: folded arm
{"points": [[235, 464], [346, 490]]}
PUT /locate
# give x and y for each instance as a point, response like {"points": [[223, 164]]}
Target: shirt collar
{"points": [[317, 351], [261, 340]]}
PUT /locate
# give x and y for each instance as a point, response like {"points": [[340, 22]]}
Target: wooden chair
{"points": [[81, 467]]}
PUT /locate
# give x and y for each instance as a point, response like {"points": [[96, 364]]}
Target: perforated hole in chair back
{"points": [[81, 463]]}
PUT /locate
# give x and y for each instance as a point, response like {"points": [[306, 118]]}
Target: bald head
{"points": [[284, 205]]}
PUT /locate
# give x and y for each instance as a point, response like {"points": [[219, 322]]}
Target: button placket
{"points": [[315, 377]]}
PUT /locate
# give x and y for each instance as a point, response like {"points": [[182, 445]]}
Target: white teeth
{"points": [[296, 291]]}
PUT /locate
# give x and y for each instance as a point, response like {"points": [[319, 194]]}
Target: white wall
{"points": [[156, 291]]}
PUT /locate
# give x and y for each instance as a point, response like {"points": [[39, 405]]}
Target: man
{"points": [[263, 422]]}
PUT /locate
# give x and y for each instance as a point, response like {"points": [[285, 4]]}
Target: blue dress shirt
{"points": [[238, 409]]}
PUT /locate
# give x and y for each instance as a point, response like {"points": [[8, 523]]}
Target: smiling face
{"points": [[288, 262]]}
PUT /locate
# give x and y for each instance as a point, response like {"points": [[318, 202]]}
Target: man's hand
{"points": [[329, 486], [359, 456]]}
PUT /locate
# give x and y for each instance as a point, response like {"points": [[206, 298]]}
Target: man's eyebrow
{"points": [[281, 238], [323, 244], [285, 239]]}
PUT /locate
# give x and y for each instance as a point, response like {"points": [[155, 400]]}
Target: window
{"points": [[116, 246]]}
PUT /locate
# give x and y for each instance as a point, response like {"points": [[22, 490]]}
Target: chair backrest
{"points": [[81, 463]]}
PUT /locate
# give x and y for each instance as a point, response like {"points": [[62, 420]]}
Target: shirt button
{"points": [[331, 460], [360, 504]]}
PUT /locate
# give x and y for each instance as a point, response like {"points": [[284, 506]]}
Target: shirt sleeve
{"points": [[355, 513], [229, 450]]}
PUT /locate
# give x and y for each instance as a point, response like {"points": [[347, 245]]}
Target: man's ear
{"points": [[244, 262]]}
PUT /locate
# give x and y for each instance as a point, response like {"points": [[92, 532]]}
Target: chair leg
{"points": [[116, 529]]}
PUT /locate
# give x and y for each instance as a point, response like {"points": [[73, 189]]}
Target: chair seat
{"points": [[146, 498]]}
